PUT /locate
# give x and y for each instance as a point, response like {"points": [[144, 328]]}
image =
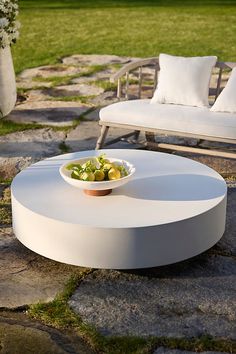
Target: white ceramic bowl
{"points": [[91, 188]]}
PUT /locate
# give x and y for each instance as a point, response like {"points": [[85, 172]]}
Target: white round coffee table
{"points": [[174, 208]]}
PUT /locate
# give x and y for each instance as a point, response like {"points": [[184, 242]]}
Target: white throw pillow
{"points": [[184, 80], [226, 101]]}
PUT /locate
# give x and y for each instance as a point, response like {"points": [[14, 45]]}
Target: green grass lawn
{"points": [[51, 29]]}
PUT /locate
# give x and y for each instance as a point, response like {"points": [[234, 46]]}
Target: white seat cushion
{"points": [[185, 119]]}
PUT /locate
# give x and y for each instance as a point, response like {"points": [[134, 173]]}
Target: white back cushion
{"points": [[184, 80], [226, 101]]}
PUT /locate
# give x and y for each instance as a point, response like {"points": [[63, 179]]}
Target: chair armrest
{"points": [[132, 66], [126, 69]]}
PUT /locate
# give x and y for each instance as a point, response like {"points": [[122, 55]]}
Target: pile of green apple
{"points": [[97, 169]]}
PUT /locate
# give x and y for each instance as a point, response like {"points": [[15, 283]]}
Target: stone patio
{"points": [[188, 300]]}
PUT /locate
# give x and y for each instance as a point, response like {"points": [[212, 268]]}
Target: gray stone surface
{"points": [[186, 300], [31, 84], [94, 59], [93, 115], [77, 90], [85, 135], [19, 150], [162, 350], [26, 277], [227, 245], [54, 113], [10, 166], [161, 138], [35, 95], [104, 99], [48, 71], [19, 335], [38, 143], [221, 165], [100, 75]]}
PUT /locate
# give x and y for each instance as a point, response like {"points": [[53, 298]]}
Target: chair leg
{"points": [[102, 137], [136, 135], [150, 137]]}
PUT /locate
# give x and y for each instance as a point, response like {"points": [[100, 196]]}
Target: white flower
{"points": [[8, 24], [4, 22]]}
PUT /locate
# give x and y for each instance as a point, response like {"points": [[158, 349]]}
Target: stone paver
{"points": [[77, 90], [54, 113], [104, 99], [10, 166], [26, 277], [31, 84], [197, 298], [50, 71], [221, 165], [40, 142], [227, 244], [93, 115], [19, 150], [162, 350], [95, 59], [103, 75], [85, 135], [19, 335]]}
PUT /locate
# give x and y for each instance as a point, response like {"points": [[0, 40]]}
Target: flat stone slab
{"points": [[94, 59], [219, 164], [162, 350], [26, 277], [20, 149], [77, 90], [185, 300], [32, 96], [227, 244], [48, 71], [18, 334], [100, 75], [39, 143], [31, 84], [10, 166], [85, 135], [54, 113], [104, 99], [93, 115]]}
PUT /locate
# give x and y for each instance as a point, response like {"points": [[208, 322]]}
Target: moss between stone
{"points": [[229, 178], [81, 99], [56, 80], [106, 85], [21, 91], [5, 206], [5, 182], [66, 79], [58, 314], [64, 148], [7, 127], [112, 86]]}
